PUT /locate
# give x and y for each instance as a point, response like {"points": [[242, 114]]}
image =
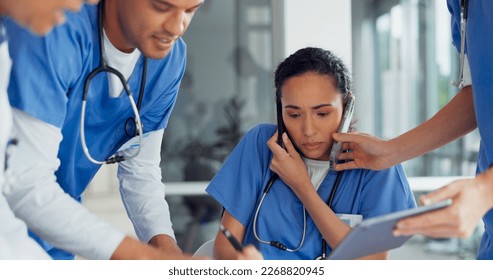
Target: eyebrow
{"points": [[314, 107], [170, 4]]}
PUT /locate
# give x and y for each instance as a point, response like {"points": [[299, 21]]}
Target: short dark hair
{"points": [[315, 60]]}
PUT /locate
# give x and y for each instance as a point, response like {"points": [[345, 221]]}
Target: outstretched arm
{"points": [[472, 198], [143, 194], [37, 199], [451, 122]]}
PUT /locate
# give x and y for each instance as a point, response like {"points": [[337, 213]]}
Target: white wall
{"points": [[319, 23]]}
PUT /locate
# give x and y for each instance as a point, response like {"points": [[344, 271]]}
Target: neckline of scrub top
{"points": [[317, 170]]}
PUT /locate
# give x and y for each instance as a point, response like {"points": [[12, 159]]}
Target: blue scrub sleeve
{"points": [[454, 10], [240, 181], [156, 113], [43, 70]]}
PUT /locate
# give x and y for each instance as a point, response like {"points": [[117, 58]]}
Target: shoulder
{"points": [[172, 67], [62, 41], [86, 18], [261, 132], [392, 180], [80, 29], [256, 140], [397, 172], [76, 23], [385, 191]]}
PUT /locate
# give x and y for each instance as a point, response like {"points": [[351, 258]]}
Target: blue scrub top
{"points": [[47, 82], [479, 42], [239, 185]]}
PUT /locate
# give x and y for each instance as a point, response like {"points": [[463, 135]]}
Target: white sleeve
{"points": [[14, 241], [142, 190], [36, 198]]}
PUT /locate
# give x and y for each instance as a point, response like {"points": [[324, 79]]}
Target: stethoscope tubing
{"points": [[104, 68], [464, 10], [116, 158], [278, 244]]}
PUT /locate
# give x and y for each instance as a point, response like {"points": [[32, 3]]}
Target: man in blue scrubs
{"points": [[45, 91], [470, 108]]}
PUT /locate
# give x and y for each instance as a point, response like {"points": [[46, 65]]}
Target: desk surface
{"points": [[418, 184]]}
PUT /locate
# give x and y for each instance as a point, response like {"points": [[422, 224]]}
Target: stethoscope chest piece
{"points": [[131, 127]]}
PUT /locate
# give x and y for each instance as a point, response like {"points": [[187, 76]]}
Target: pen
{"points": [[236, 244]]}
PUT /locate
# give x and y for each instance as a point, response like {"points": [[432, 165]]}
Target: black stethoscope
{"points": [[464, 11], [278, 244], [271, 181], [133, 125]]}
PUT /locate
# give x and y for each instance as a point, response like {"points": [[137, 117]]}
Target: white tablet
{"points": [[374, 235]]}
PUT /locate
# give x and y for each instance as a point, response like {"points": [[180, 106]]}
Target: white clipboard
{"points": [[374, 235]]}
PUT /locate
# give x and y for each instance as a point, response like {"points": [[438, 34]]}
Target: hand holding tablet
{"points": [[374, 235]]}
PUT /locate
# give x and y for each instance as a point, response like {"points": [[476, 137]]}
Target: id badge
{"points": [[350, 219]]}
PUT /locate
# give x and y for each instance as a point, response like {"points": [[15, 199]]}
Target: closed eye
{"points": [[192, 10], [294, 115], [162, 6]]}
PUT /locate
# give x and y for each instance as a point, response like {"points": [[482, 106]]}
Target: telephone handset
{"points": [[280, 124], [343, 128]]}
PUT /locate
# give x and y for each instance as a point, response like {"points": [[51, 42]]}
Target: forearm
{"points": [[330, 226], [223, 250], [143, 193], [451, 122], [35, 196], [14, 241]]}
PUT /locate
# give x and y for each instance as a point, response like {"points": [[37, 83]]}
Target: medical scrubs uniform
{"points": [[14, 241], [47, 83], [239, 185], [479, 42]]}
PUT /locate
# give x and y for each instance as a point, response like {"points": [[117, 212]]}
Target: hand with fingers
{"points": [[458, 220], [364, 151], [288, 164]]}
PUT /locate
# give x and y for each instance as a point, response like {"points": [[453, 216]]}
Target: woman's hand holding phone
{"points": [[288, 164]]}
